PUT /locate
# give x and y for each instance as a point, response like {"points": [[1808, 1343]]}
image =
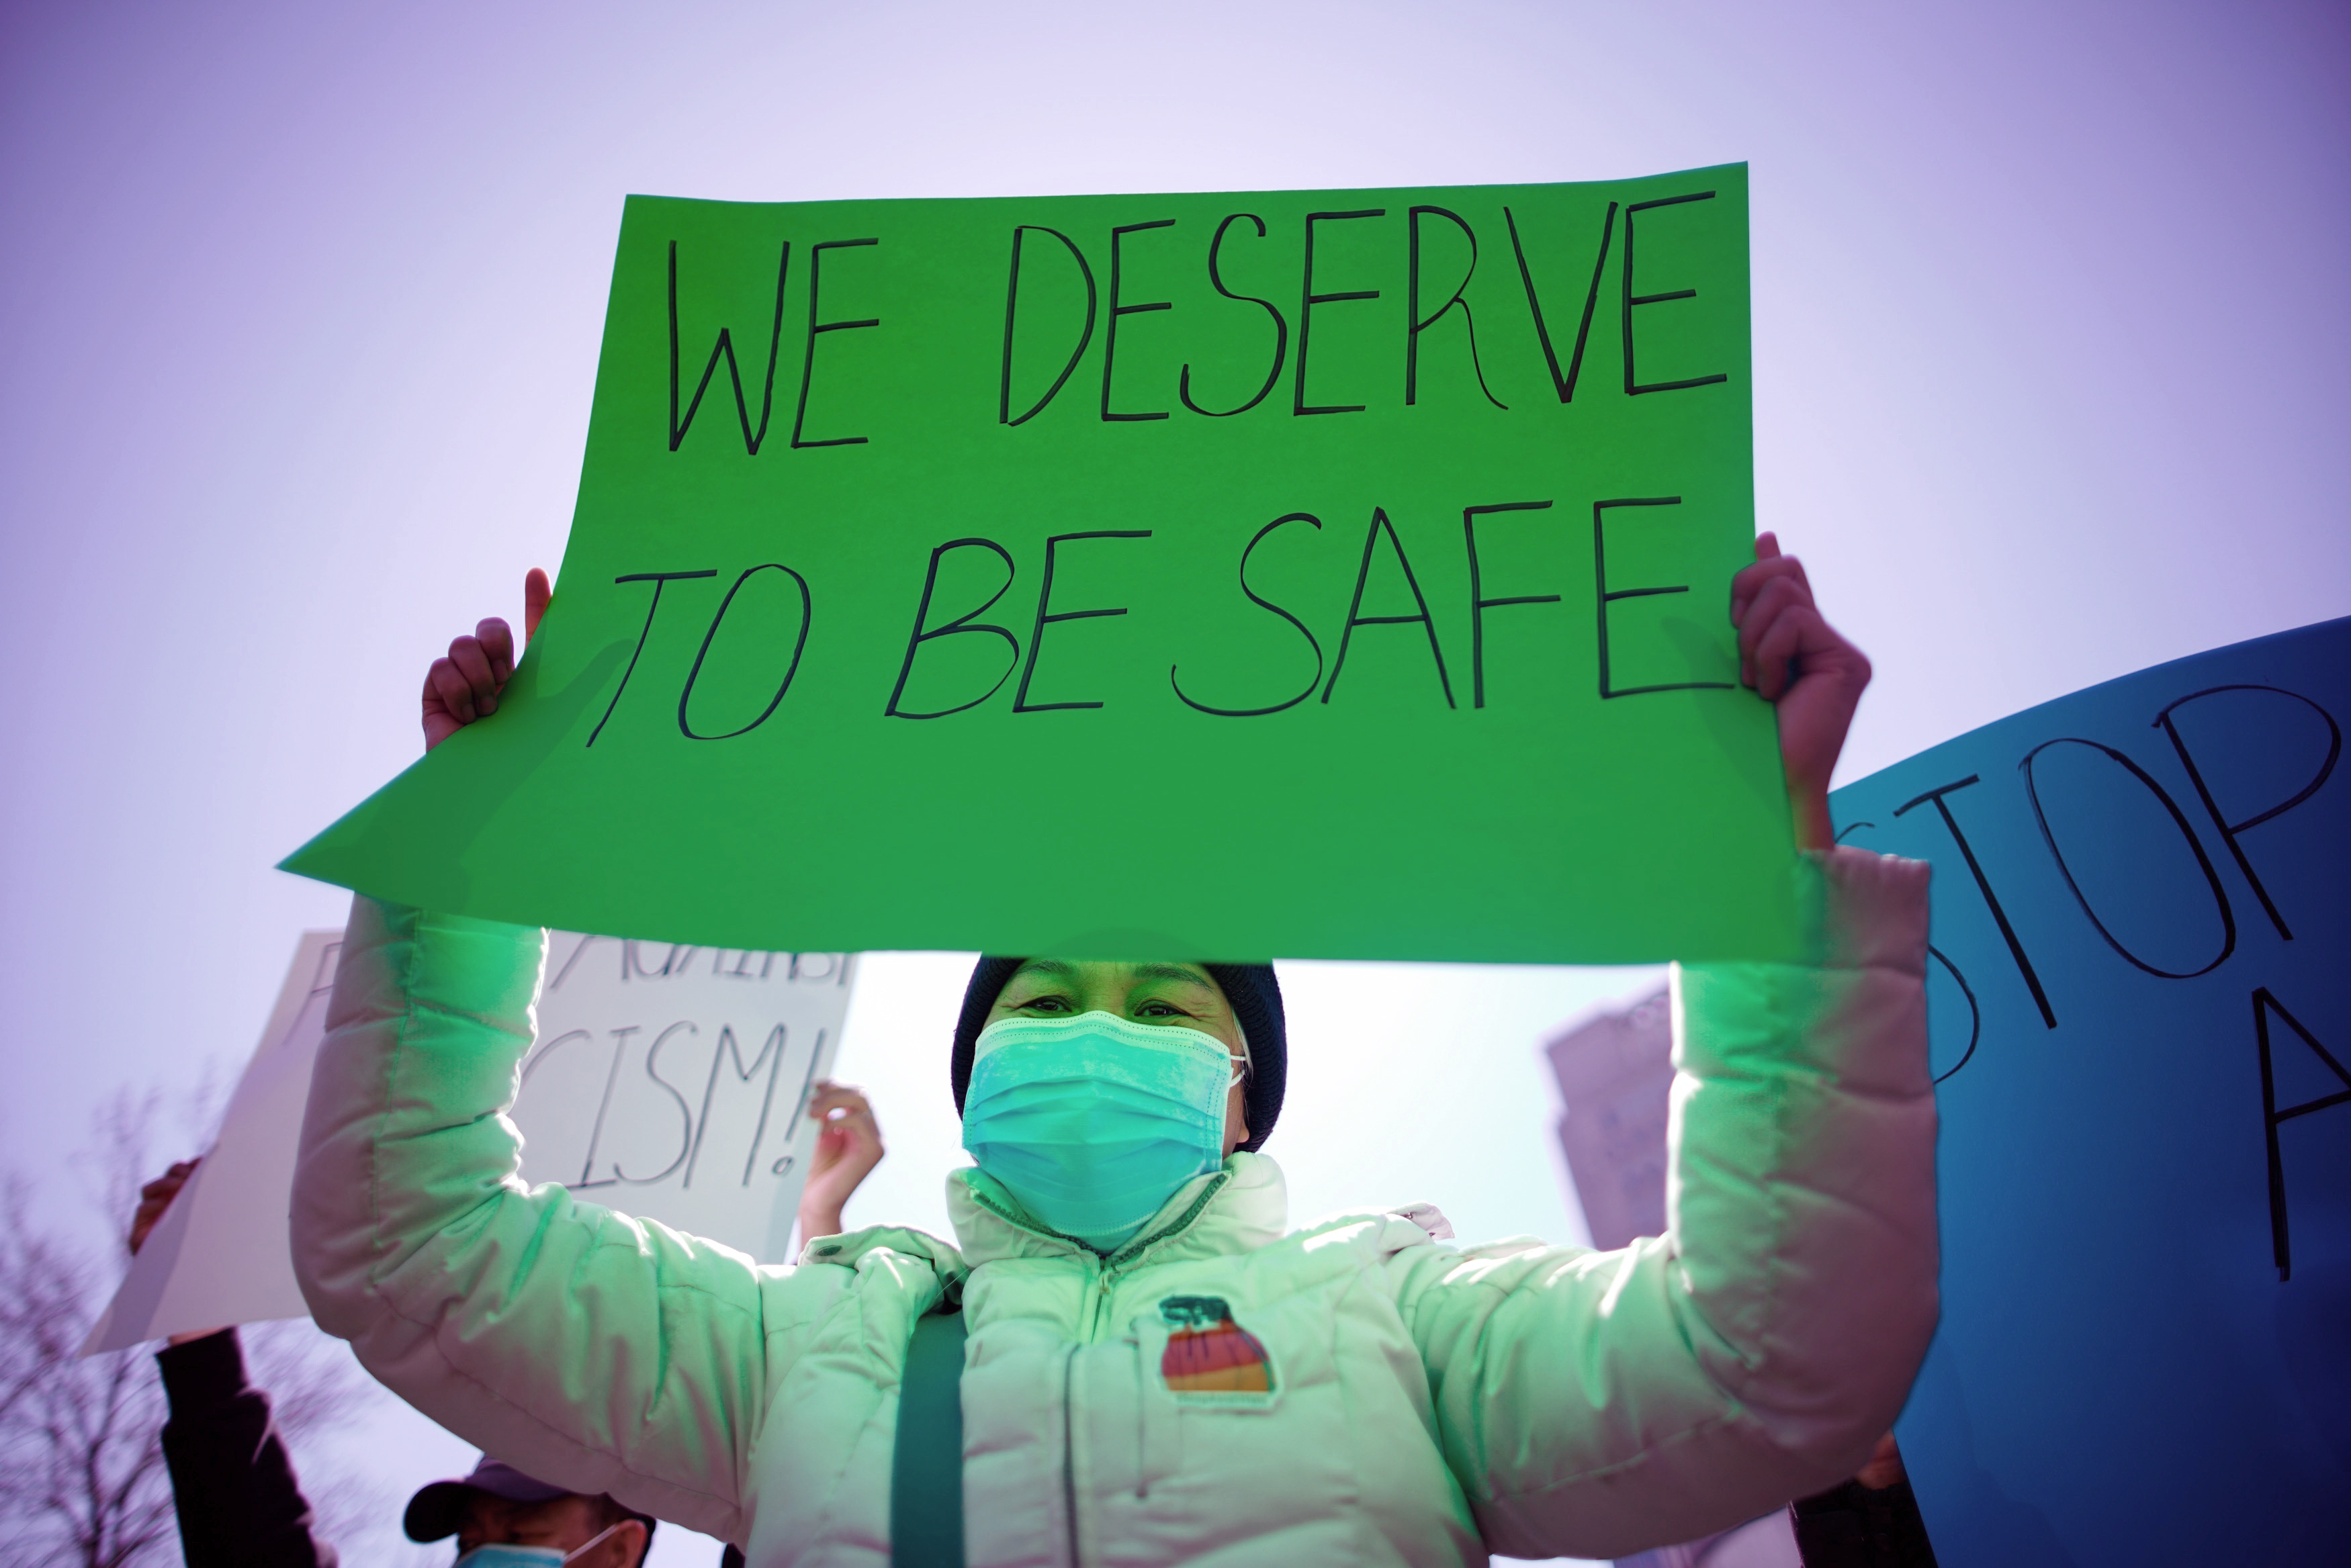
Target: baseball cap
{"points": [[438, 1507]]}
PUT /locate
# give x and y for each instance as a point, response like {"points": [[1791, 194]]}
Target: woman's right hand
{"points": [[848, 1148], [464, 685]]}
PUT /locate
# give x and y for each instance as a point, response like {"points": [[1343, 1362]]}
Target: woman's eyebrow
{"points": [[1176, 971], [1053, 967]]}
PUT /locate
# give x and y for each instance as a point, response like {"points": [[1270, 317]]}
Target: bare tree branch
{"points": [[82, 1475]]}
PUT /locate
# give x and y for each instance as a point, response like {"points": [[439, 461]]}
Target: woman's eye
{"points": [[1040, 1005], [1162, 1009]]}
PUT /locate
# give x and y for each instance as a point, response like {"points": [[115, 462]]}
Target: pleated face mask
{"points": [[1094, 1122]]}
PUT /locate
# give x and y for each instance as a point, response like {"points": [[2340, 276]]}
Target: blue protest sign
{"points": [[2142, 913]]}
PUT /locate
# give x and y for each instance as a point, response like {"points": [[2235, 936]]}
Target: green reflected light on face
{"points": [[1179, 995]]}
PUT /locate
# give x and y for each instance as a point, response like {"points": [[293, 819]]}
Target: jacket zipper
{"points": [[1070, 1449], [1097, 1298], [1111, 1267], [1128, 1253]]}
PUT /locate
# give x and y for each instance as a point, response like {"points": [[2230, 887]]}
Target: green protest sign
{"points": [[1319, 574]]}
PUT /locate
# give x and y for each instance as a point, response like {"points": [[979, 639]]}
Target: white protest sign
{"points": [[219, 1254], [670, 1083]]}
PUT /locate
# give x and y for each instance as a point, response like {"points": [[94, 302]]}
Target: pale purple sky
{"points": [[299, 306]]}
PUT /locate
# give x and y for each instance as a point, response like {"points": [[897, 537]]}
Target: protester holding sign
{"points": [[1158, 1369]]}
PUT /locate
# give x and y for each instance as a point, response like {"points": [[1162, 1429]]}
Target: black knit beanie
{"points": [[1250, 988]]}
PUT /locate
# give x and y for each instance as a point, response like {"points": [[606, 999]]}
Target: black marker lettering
{"points": [[1975, 1013], [1479, 603], [1563, 385], [1110, 331], [572, 959], [1634, 386], [816, 329], [2280, 1247], [1603, 596], [2179, 818], [1280, 328], [1011, 309], [658, 579], [1298, 403], [1415, 325], [1020, 704], [684, 1111], [686, 696], [799, 1109], [532, 1063], [2229, 830], [767, 1101], [727, 1047], [1314, 680], [725, 347], [1380, 524], [966, 622], [1983, 884], [596, 1133]]}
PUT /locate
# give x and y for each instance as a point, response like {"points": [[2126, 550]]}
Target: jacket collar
{"points": [[1238, 1207]]}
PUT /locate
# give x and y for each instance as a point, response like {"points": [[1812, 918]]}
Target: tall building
{"points": [[1616, 1078]]}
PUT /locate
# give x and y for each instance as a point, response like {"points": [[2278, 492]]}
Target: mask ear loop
{"points": [[594, 1540], [1248, 1069]]}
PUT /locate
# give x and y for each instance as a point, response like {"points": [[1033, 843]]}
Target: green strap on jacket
{"points": [[927, 1471]]}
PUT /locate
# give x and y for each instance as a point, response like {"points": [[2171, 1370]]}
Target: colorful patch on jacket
{"points": [[1209, 1353]]}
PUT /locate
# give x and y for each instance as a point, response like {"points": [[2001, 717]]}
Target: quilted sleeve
{"points": [[594, 1351], [1596, 1404]]}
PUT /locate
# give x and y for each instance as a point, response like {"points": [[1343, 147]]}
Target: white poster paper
{"points": [[219, 1254], [670, 1083]]}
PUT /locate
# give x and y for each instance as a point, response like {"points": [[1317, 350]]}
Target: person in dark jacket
{"points": [[238, 1500], [1870, 1521], [239, 1503]]}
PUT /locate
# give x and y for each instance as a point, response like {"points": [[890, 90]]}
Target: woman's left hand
{"points": [[1797, 661]]}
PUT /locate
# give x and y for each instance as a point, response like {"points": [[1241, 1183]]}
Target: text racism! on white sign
{"points": [[672, 1081]]}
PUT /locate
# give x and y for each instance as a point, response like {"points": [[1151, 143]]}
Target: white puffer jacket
{"points": [[1354, 1393]]}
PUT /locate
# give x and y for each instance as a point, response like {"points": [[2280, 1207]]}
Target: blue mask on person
{"points": [[1094, 1122], [502, 1554]]}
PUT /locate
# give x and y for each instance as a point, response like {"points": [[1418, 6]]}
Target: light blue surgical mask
{"points": [[1094, 1122], [502, 1554]]}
